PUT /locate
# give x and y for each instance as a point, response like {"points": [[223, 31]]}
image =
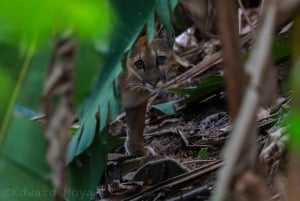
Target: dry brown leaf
{"points": [[57, 104]]}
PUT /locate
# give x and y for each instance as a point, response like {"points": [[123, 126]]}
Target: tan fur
{"points": [[138, 83]]}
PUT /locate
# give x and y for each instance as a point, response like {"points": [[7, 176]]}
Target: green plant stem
{"points": [[24, 69]]}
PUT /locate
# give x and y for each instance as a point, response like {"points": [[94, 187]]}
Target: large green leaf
{"points": [[23, 147], [88, 61], [37, 19], [86, 170], [10, 60], [24, 172], [150, 27], [163, 8]]}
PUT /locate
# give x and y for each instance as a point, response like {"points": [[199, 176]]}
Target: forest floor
{"points": [[191, 138]]}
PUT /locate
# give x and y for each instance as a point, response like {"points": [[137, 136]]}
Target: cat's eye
{"points": [[160, 60], [139, 64]]}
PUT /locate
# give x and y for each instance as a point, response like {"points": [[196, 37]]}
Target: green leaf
{"points": [[28, 84], [38, 19], [150, 27], [87, 68], [167, 108], [202, 154], [294, 117], [73, 130], [205, 88], [10, 59], [23, 147], [294, 131], [173, 3], [281, 46], [163, 11], [162, 8], [28, 190], [6, 87], [86, 170], [22, 158]]}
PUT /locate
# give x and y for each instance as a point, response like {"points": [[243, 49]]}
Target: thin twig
{"points": [[197, 161], [184, 139], [228, 30]]}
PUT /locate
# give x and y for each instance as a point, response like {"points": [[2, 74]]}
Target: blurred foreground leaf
{"points": [[24, 172], [23, 147], [282, 46], [37, 19], [86, 170], [10, 60]]}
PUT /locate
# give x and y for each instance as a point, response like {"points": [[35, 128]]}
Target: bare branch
{"points": [[234, 75]]}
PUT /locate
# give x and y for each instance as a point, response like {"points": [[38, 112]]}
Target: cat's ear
{"points": [[163, 34]]}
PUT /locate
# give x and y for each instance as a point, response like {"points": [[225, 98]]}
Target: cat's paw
{"points": [[149, 151], [132, 149]]}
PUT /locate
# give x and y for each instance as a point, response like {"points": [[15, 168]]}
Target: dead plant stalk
{"points": [[243, 135]]}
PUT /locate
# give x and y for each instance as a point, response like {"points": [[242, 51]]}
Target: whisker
{"points": [[135, 86]]}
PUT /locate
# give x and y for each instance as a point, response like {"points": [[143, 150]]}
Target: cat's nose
{"points": [[153, 77], [154, 82]]}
